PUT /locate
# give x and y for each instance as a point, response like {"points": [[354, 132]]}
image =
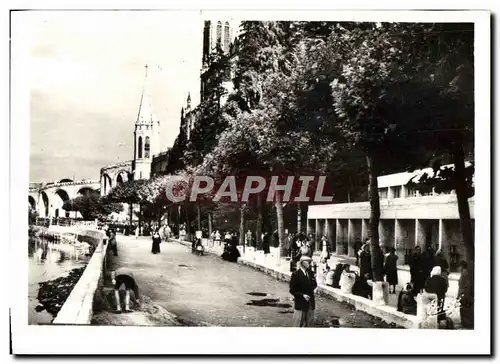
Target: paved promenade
{"points": [[269, 265], [206, 290]]}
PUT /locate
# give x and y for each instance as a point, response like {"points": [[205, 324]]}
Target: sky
{"points": [[87, 72]]}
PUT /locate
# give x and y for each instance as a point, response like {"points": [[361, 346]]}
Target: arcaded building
{"points": [[407, 219]]}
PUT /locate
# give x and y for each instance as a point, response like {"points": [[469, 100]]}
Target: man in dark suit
{"points": [[302, 286]]}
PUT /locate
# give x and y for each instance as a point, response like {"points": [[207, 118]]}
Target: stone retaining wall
{"points": [[77, 310]]}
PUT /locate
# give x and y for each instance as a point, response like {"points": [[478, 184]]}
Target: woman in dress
{"points": [[391, 269], [325, 251], [155, 249]]}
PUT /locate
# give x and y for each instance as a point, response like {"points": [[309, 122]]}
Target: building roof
{"points": [[395, 179], [403, 178]]}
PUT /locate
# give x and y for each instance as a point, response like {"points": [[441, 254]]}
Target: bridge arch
{"points": [[84, 191], [59, 202], [106, 183], [32, 202], [121, 177], [45, 204]]}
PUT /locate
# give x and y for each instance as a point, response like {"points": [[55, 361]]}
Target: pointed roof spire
{"points": [[145, 114]]}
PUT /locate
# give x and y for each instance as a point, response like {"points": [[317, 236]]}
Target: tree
{"points": [[379, 97], [92, 206]]}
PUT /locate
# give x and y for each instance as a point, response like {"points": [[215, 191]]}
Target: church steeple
{"points": [[145, 115], [188, 104], [146, 134]]}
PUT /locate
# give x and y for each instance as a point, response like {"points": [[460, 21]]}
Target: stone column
{"points": [[419, 234], [317, 235], [365, 230], [330, 233], [338, 238], [350, 237], [440, 234], [399, 243], [310, 228]]}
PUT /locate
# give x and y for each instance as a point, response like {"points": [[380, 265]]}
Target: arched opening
{"points": [[146, 148], [106, 184], [219, 33], [226, 37], [85, 191], [122, 177], [46, 204], [32, 202], [58, 204], [139, 147]]}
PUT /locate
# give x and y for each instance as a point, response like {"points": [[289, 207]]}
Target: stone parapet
{"points": [[77, 310]]}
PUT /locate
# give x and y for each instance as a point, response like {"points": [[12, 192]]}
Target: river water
{"points": [[47, 261]]}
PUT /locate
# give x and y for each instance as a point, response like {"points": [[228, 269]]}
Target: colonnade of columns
{"points": [[345, 236]]}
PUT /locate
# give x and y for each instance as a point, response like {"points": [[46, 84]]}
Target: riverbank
{"points": [[52, 294], [57, 261]]}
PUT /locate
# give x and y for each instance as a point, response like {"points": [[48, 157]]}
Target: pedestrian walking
{"points": [[417, 270], [428, 260], [123, 278], [265, 242], [365, 262], [325, 249], [137, 232], [112, 242], [302, 288], [155, 248], [391, 269], [248, 238], [295, 255]]}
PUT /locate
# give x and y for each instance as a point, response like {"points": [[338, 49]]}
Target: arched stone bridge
{"points": [[115, 174], [48, 198]]}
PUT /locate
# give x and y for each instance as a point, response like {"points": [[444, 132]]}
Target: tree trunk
{"points": [[179, 221], [131, 213], [209, 225], [242, 226], [258, 237], [198, 216], [463, 208], [299, 218], [281, 226], [376, 252], [140, 219], [188, 223]]}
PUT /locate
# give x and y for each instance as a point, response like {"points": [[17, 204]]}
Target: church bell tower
{"points": [[146, 134]]}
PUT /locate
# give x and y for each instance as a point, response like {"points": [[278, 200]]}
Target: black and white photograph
{"points": [[250, 182]]}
